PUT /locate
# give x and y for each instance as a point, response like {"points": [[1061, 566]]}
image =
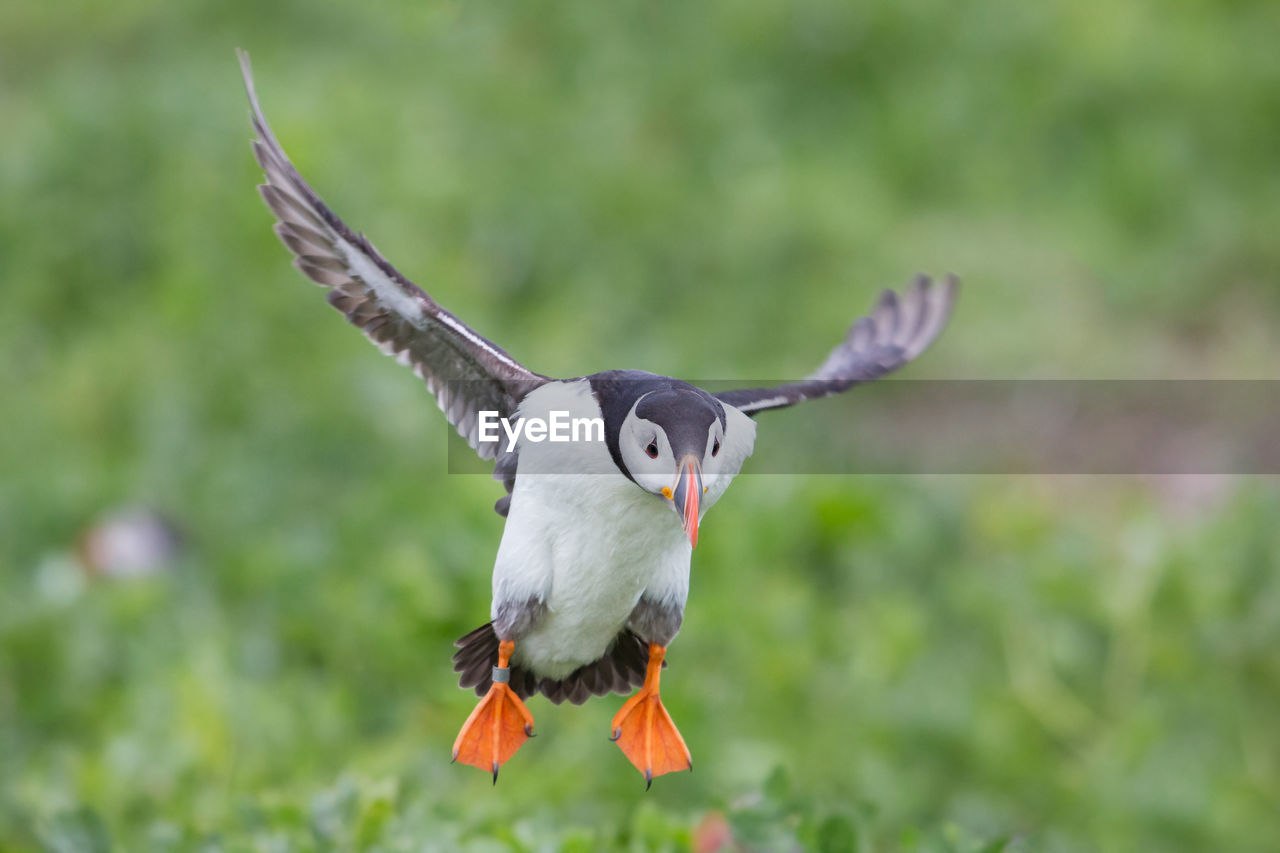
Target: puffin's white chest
{"points": [[587, 546]]}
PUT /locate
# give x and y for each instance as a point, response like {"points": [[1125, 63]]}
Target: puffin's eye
{"points": [[652, 450], [715, 447]]}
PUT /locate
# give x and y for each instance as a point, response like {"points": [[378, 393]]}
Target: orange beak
{"points": [[687, 496]]}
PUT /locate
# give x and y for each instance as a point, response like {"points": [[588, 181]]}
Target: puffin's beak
{"points": [[688, 495]]}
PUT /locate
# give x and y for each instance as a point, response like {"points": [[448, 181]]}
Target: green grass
{"points": [[704, 189]]}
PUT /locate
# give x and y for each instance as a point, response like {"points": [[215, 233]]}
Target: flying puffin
{"points": [[592, 574]]}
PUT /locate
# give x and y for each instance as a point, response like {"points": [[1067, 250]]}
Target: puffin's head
{"points": [[671, 441]]}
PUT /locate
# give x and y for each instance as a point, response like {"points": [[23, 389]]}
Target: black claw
{"points": [[528, 731], [454, 760], [648, 779], [617, 733], [495, 773]]}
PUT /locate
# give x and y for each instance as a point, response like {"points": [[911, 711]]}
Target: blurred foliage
{"points": [[706, 189]]}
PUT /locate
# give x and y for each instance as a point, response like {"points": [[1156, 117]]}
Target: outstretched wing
{"points": [[898, 330], [465, 372]]}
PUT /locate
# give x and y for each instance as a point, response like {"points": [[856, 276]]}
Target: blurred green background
{"points": [[706, 189]]}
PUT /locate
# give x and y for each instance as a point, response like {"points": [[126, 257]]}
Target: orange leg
{"points": [[644, 731], [499, 725]]}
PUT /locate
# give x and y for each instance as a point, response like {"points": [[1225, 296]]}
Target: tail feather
{"points": [[619, 670]]}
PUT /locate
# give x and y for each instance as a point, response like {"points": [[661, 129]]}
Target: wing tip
{"points": [[246, 73], [948, 291], [937, 299], [263, 139], [908, 321], [950, 286]]}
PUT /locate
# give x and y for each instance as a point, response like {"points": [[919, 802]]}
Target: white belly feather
{"points": [[587, 565]]}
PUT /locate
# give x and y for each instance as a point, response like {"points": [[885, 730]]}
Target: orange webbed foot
{"points": [[499, 725], [644, 731]]}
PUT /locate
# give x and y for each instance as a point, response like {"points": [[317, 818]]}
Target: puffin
{"points": [[592, 571]]}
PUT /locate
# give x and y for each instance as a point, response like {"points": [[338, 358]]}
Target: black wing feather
{"points": [[465, 372], [897, 330]]}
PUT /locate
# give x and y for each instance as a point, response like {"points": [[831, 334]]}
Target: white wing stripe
{"points": [[389, 293], [452, 322]]}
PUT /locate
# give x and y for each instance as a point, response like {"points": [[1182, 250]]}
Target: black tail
{"points": [[620, 669]]}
